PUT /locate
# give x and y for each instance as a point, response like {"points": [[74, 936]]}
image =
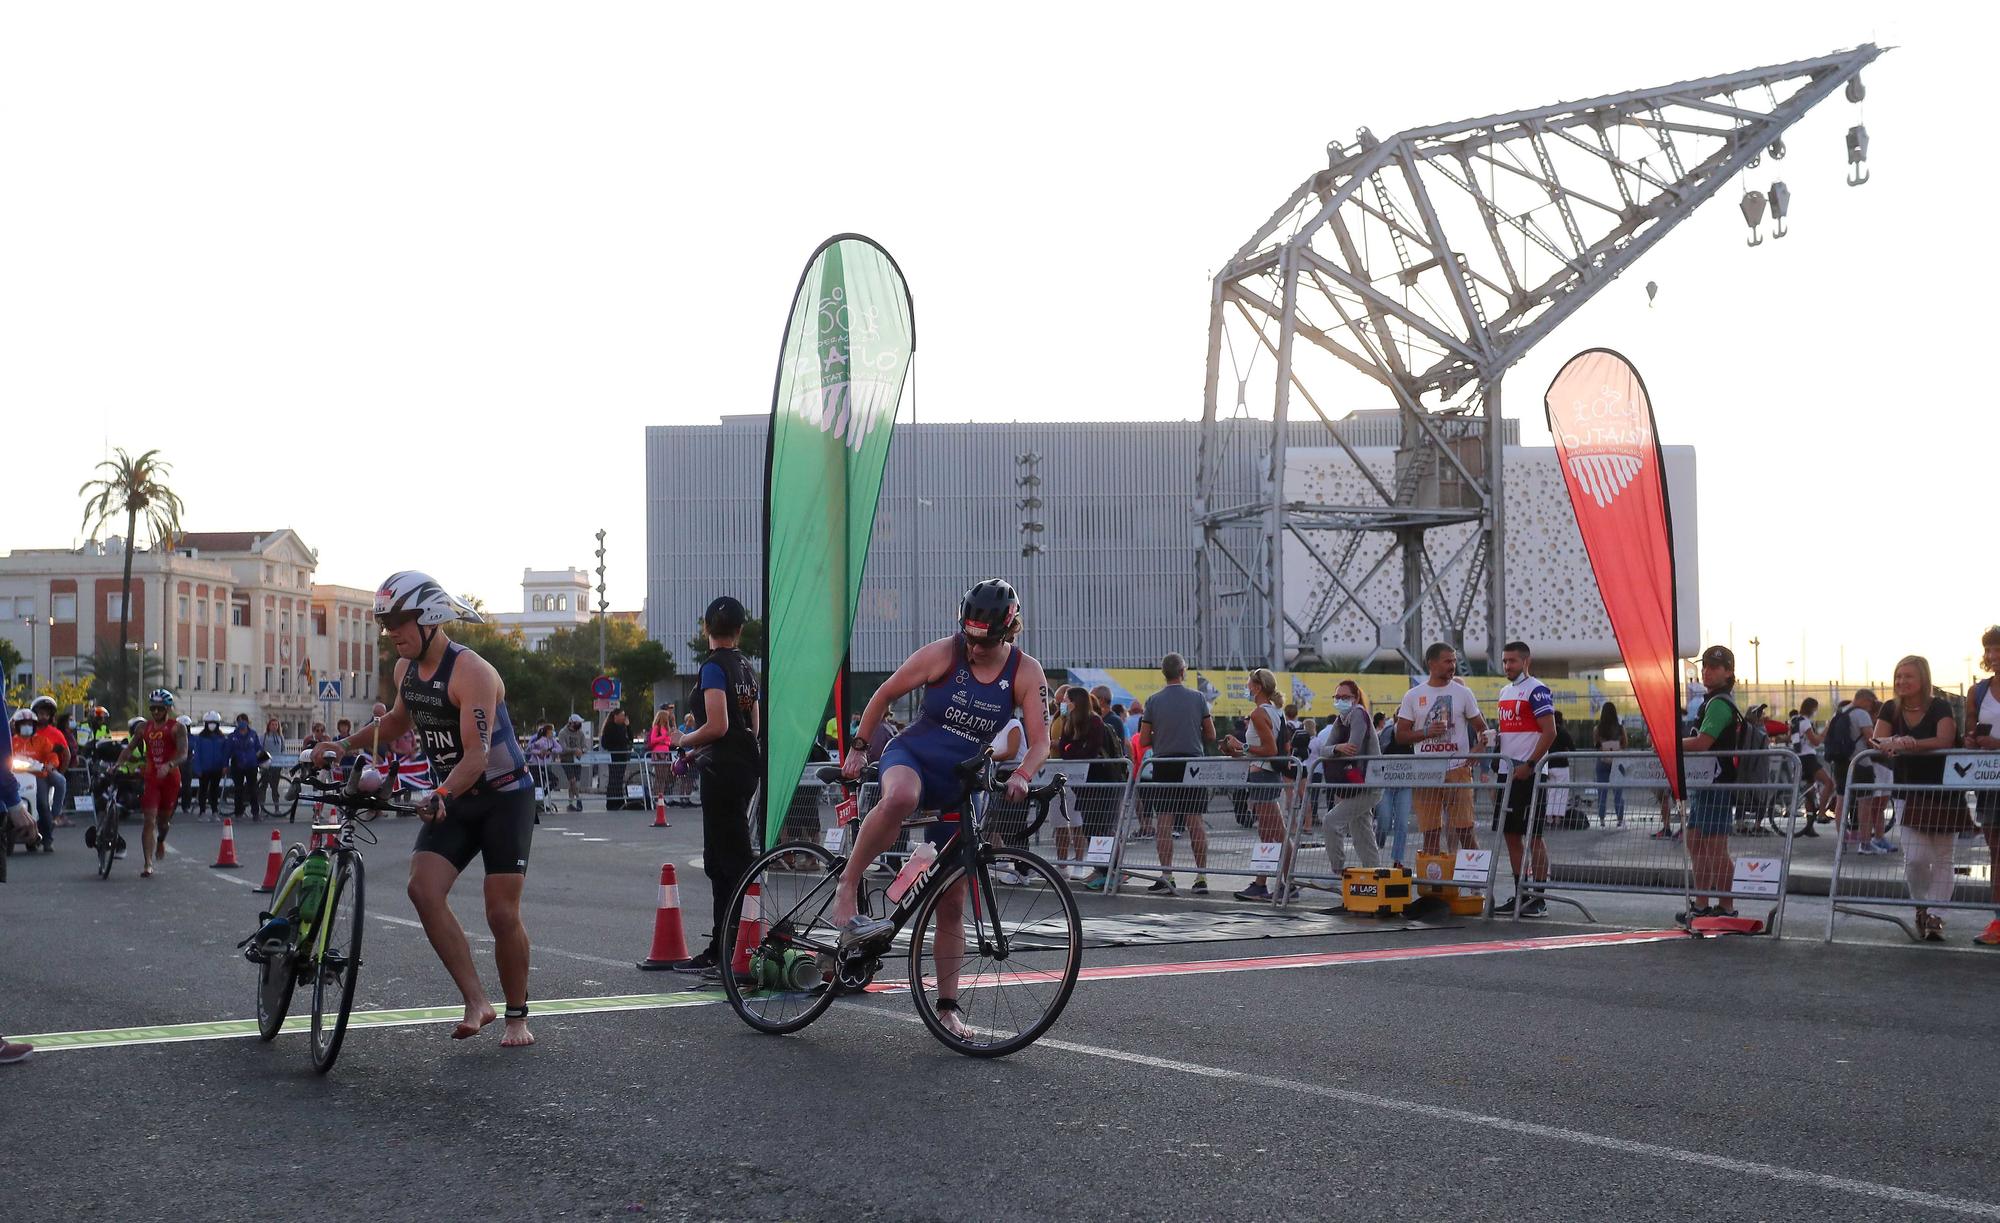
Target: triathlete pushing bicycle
{"points": [[484, 803], [973, 683]]}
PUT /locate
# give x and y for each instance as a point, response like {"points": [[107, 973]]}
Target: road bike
{"points": [[311, 935], [1012, 957], [115, 796]]}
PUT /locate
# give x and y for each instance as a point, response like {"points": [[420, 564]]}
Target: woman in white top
{"points": [[1004, 820], [1260, 745], [1342, 749]]}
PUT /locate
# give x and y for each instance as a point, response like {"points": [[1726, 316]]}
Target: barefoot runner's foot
{"points": [[477, 1016], [517, 1034]]}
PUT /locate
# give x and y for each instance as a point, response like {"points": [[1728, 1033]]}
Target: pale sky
{"points": [[411, 278]]}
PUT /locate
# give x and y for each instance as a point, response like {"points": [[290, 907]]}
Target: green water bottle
{"points": [[312, 888]]}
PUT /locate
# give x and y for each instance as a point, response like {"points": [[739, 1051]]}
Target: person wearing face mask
{"points": [[211, 761], [1341, 751], [244, 749]]}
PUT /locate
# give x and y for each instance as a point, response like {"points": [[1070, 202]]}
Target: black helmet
{"points": [[990, 611]]}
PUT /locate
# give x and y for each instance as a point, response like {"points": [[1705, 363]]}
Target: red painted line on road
{"points": [[1327, 959]]}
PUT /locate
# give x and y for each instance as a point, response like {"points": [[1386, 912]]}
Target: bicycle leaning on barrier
{"points": [[1017, 948]]}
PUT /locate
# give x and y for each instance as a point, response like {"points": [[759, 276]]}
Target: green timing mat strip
{"points": [[226, 1029]]}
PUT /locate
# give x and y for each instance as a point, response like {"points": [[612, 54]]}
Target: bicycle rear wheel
{"points": [[336, 970], [1006, 998], [107, 840], [792, 962]]}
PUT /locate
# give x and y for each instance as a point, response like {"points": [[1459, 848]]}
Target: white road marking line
{"points": [[536, 950], [1530, 1129], [595, 840]]}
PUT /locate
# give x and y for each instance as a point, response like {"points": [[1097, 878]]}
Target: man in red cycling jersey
{"points": [[166, 745]]}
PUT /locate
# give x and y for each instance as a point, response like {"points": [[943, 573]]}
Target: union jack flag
{"points": [[413, 773]]}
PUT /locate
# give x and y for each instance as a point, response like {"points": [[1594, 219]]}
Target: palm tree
{"points": [[101, 662], [133, 487]]}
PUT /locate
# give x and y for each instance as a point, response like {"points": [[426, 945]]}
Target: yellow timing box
{"points": [[1381, 890]]}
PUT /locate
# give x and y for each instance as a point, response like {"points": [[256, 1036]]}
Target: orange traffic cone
{"points": [[274, 863], [669, 941], [660, 813], [749, 930], [226, 856]]}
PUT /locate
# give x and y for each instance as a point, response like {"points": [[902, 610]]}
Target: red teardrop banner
{"points": [[1609, 453]]}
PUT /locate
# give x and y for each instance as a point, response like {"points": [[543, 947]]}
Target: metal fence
{"points": [[1945, 839], [1645, 843]]}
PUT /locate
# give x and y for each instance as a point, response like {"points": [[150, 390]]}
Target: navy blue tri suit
{"points": [[960, 717], [495, 819]]}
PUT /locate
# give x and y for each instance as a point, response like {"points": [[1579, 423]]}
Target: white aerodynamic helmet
{"points": [[410, 590]]}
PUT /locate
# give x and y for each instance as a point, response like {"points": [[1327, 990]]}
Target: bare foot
{"points": [[517, 1035], [476, 1017]]}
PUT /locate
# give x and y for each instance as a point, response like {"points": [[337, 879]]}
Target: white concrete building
{"points": [[235, 618], [551, 599]]}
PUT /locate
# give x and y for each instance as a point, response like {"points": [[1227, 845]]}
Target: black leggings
{"points": [[725, 842], [210, 797]]}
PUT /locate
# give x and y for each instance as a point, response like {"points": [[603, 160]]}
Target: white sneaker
{"points": [[1004, 875], [1077, 874], [1867, 847]]}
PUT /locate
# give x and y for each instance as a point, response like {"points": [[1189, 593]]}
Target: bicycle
{"points": [[115, 796], [318, 938], [1019, 952]]}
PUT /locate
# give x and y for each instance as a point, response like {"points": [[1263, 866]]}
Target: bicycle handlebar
{"points": [[343, 796], [970, 772]]}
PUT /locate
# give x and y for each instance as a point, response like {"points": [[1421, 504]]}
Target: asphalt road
{"points": [[1671, 1078]]}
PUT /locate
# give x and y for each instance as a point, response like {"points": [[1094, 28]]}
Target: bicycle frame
{"points": [[330, 842], [963, 850]]}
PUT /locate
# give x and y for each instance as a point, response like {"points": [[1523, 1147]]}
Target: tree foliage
{"points": [[103, 662]]}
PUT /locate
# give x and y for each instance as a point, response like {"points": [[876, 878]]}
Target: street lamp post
{"points": [[29, 621], [602, 605], [1030, 503]]}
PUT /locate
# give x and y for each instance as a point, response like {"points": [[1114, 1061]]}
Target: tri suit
{"points": [[157, 741], [960, 717], [495, 819]]}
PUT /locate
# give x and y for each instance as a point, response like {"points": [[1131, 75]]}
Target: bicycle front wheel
{"points": [[1007, 953], [335, 970], [790, 979], [278, 976]]}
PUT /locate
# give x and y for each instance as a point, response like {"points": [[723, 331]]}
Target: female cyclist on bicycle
{"points": [[974, 682]]}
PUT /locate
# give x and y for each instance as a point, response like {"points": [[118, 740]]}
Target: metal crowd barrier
{"points": [[1939, 859], [1234, 827], [1451, 861], [1657, 846], [1091, 813]]}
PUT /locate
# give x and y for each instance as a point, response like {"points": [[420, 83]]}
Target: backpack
{"points": [[1839, 741]]}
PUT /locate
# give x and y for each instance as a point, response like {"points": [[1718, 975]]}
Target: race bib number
{"points": [[848, 808]]}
